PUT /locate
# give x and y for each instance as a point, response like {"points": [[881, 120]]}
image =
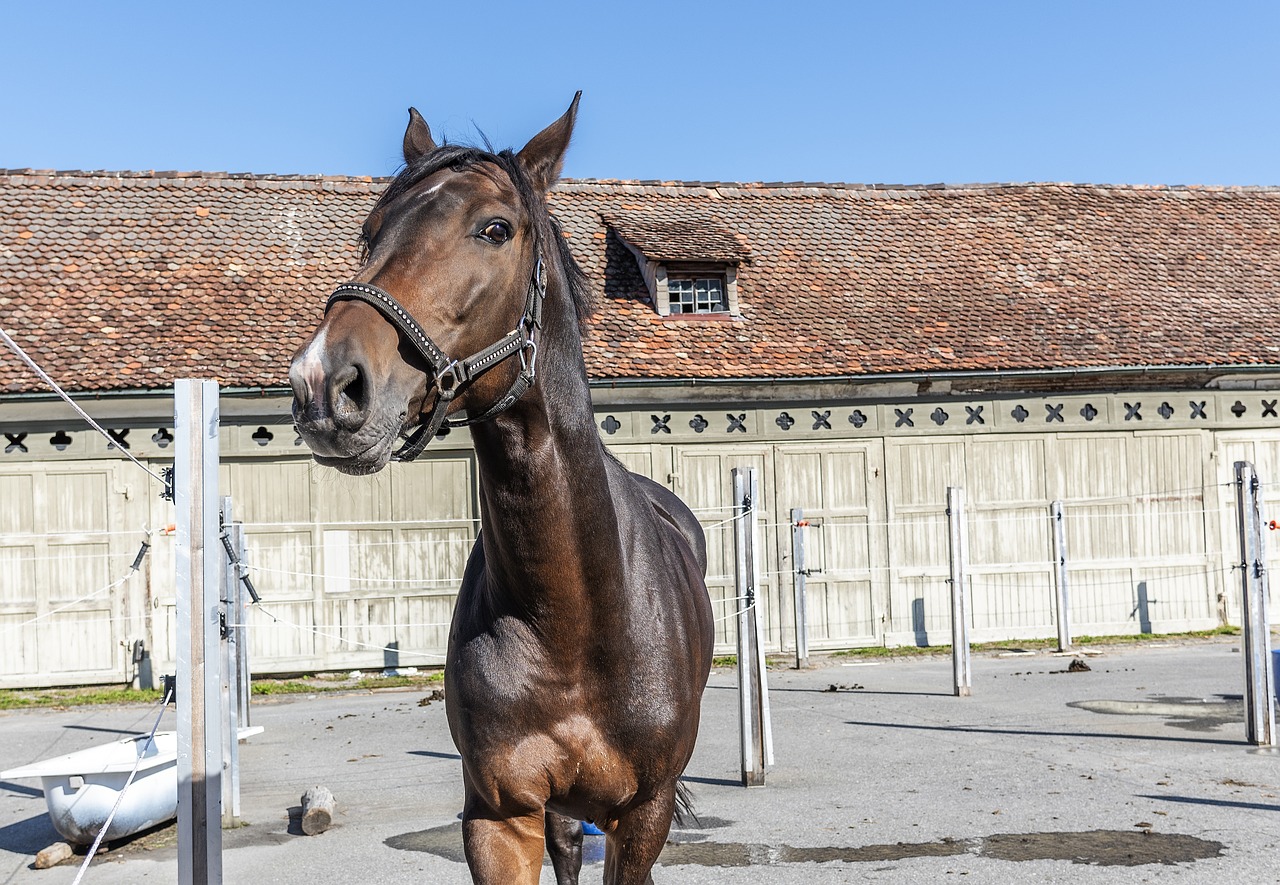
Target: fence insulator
{"points": [[142, 552]]}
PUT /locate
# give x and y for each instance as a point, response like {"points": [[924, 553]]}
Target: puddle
{"points": [[1191, 714], [1096, 847], [446, 841], [1108, 848]]}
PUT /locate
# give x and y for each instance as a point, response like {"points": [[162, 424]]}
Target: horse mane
{"points": [[546, 228]]}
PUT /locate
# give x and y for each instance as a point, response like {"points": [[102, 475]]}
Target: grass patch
{"points": [[892, 651], [23, 699], [877, 651], [319, 684], [33, 698], [435, 677], [725, 661]]}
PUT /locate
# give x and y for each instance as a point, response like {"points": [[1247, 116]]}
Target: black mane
{"points": [[546, 228]]}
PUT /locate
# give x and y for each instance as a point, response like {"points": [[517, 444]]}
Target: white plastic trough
{"points": [[81, 788]]}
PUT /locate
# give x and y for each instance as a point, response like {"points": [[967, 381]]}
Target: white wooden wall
{"points": [[350, 566], [68, 531]]}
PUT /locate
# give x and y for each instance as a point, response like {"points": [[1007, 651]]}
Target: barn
{"points": [[1113, 348]]}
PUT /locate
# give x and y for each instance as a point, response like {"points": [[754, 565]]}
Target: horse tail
{"points": [[685, 816]]}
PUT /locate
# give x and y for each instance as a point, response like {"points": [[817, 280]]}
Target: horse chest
{"points": [[571, 758]]}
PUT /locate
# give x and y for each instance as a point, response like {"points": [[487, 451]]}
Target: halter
{"points": [[452, 376]]}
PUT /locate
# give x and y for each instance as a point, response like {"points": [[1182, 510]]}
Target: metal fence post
{"points": [[230, 688], [1259, 698], [798, 526], [241, 630], [198, 552], [1062, 607], [958, 547], [752, 690]]}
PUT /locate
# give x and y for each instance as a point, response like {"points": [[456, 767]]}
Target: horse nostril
{"points": [[350, 397]]}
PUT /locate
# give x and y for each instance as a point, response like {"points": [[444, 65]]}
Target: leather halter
{"points": [[452, 376]]}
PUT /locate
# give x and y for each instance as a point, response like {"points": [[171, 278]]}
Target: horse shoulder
{"points": [[672, 512]]}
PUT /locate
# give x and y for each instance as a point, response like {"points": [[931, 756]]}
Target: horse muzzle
{"points": [[335, 416]]}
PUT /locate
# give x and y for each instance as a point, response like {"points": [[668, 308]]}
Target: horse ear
{"points": [[543, 157], [417, 138]]}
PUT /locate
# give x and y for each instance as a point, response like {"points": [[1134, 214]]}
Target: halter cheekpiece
{"points": [[452, 376]]}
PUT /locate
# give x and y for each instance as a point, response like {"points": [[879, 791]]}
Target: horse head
{"points": [[443, 315]]}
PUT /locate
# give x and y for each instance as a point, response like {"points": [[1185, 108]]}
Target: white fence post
{"points": [[1259, 697], [241, 629], [230, 688], [1062, 602], [198, 553], [753, 691], [798, 525], [958, 547]]}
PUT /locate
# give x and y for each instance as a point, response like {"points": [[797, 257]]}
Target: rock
{"points": [[53, 855]]}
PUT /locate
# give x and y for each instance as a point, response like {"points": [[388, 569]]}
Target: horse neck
{"points": [[545, 502]]}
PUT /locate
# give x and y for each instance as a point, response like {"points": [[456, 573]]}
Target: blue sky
{"points": [[914, 92]]}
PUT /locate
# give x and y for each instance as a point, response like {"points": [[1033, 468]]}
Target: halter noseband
{"points": [[451, 375]]}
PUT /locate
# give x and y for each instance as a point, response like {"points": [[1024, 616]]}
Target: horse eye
{"points": [[496, 232]]}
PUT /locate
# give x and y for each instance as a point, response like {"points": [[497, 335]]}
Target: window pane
{"points": [[696, 295]]}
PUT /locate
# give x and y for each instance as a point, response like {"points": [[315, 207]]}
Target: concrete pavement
{"points": [[1131, 769]]}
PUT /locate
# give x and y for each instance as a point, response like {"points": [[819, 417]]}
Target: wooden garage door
{"points": [[68, 604], [840, 490]]}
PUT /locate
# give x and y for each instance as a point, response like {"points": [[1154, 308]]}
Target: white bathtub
{"points": [[81, 788]]}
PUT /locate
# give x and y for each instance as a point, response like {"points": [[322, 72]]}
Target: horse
{"points": [[581, 640]]}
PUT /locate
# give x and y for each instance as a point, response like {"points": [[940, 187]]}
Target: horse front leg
{"points": [[502, 850], [631, 850], [564, 845]]}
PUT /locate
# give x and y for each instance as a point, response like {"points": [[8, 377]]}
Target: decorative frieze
{"points": [[728, 422]]}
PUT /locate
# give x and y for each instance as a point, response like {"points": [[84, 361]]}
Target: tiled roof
{"points": [[121, 281], [677, 231]]}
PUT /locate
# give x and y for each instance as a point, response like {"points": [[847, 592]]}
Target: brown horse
{"points": [[582, 636]]}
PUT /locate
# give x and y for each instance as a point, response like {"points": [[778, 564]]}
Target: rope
{"points": [[354, 579], [282, 622], [22, 354], [735, 613], [128, 782]]}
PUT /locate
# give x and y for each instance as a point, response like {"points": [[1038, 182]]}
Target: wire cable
{"points": [[128, 782], [44, 376]]}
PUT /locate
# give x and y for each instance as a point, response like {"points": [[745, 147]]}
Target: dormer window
{"points": [[689, 264], [696, 294]]}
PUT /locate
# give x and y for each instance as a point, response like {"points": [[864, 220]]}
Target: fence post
{"points": [[241, 630], [1259, 697], [798, 525], [958, 547], [1061, 600], [230, 688], [752, 689], [198, 552]]}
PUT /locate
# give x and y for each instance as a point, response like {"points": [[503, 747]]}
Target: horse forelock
{"points": [[555, 250]]}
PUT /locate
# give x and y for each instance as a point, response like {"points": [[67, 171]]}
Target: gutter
{"points": [[944, 375]]}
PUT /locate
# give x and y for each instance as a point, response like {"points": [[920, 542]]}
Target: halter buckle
{"points": [[448, 378]]}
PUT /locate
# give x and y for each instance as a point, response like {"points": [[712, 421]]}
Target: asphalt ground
{"points": [[1132, 769]]}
